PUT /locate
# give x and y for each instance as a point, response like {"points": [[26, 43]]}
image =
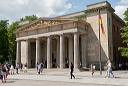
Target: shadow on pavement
{"points": [[10, 81]]}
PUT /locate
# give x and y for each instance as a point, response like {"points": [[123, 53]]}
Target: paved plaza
{"points": [[62, 78]]}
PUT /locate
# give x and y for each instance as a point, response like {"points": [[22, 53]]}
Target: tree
{"points": [[124, 35], [11, 40], [29, 18], [3, 41], [12, 36]]}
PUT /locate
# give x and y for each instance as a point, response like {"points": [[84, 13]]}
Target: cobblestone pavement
{"points": [[62, 78], [16, 82]]}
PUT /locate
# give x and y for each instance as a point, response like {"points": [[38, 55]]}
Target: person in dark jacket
{"points": [[71, 70]]}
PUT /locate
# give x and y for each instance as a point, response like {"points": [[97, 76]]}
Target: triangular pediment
{"points": [[45, 22]]}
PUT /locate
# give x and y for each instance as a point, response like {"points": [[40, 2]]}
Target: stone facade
{"points": [[70, 38]]}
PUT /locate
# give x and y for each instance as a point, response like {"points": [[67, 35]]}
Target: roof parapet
{"points": [[97, 5]]}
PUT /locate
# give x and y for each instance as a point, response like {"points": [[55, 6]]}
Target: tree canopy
{"points": [[30, 18], [3, 40], [8, 37], [124, 35]]}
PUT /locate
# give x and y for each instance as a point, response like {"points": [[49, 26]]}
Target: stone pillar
{"points": [[70, 51], [58, 53], [38, 51], [18, 53], [84, 50], [76, 50], [49, 52], [62, 51], [28, 53]]}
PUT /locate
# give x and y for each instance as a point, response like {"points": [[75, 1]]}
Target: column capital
{"points": [[26, 39], [56, 36], [62, 35], [18, 40], [76, 33], [70, 36], [49, 36]]}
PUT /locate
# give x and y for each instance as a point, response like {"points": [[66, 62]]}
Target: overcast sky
{"points": [[13, 10]]}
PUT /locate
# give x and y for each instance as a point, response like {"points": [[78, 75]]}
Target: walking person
{"points": [[21, 66], [71, 70], [39, 66], [92, 69], [109, 69], [12, 69], [25, 68], [7, 69], [4, 73], [1, 76], [17, 66]]}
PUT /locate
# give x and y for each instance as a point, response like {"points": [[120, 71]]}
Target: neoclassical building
{"points": [[70, 38]]}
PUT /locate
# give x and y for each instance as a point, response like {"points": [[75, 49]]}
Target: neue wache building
{"points": [[75, 37]]}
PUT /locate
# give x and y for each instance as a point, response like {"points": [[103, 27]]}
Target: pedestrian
{"points": [[21, 67], [109, 69], [12, 69], [71, 70], [25, 68], [120, 66], [39, 66], [1, 76], [92, 69], [7, 69], [3, 73], [17, 67]]}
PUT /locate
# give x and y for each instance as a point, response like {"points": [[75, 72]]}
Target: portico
{"points": [[56, 40]]}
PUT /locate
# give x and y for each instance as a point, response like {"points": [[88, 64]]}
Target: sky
{"points": [[13, 10]]}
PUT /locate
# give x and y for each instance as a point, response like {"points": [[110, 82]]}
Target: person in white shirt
{"points": [[39, 66], [12, 70], [109, 69], [17, 66]]}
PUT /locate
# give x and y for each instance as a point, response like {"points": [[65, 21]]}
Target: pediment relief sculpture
{"points": [[41, 23], [48, 22]]}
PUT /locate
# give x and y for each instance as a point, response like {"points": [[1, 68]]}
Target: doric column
{"points": [[62, 51], [18, 53], [70, 50], [49, 52], [58, 53], [38, 51], [76, 50], [84, 50], [28, 52]]}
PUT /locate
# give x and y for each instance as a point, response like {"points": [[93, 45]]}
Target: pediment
{"points": [[45, 22]]}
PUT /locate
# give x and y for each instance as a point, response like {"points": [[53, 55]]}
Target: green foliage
{"points": [[124, 35], [124, 51], [3, 41], [12, 36], [11, 40], [30, 18]]}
